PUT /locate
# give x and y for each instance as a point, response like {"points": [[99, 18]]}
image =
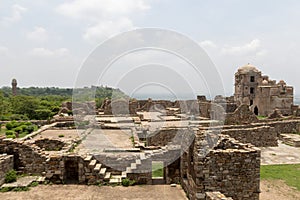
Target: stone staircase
{"points": [[95, 172], [167, 154]]}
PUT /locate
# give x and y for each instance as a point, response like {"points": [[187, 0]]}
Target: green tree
{"points": [[43, 114], [25, 105]]}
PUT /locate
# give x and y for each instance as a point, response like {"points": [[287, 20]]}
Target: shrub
{"points": [[34, 184], [61, 135], [15, 124], [11, 176], [18, 130], [28, 123], [127, 182], [9, 126], [23, 127], [29, 128], [9, 132], [11, 136]]}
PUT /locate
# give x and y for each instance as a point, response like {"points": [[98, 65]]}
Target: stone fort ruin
{"points": [[261, 93], [210, 147]]}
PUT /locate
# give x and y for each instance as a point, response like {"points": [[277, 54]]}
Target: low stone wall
{"points": [[6, 164], [216, 196], [264, 136]]}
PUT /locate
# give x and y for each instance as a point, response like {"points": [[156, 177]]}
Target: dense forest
{"points": [[44, 103]]}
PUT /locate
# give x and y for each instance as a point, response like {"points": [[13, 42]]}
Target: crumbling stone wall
{"points": [[28, 159], [263, 136], [242, 115], [231, 167], [50, 144], [6, 164]]}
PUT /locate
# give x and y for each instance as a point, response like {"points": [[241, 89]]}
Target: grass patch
{"points": [[260, 117], [17, 189], [157, 169], [288, 173]]}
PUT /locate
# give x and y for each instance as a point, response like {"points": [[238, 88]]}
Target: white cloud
{"points": [[3, 51], [105, 29], [16, 14], [207, 44], [252, 47], [97, 9], [105, 17], [262, 52], [39, 34], [43, 52]]}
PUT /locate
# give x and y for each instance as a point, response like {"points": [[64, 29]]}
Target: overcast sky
{"points": [[44, 43]]}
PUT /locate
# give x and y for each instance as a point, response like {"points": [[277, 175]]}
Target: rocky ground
{"points": [[277, 190], [83, 192], [271, 190]]}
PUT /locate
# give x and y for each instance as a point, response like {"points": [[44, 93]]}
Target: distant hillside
{"points": [[101, 92], [43, 103]]}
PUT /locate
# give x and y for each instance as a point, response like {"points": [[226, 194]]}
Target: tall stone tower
{"points": [[14, 87], [246, 83]]}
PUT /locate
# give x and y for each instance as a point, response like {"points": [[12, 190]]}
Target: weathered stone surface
{"points": [[216, 196], [6, 164], [242, 115]]}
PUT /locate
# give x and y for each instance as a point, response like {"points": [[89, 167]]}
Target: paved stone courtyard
{"points": [[283, 154]]}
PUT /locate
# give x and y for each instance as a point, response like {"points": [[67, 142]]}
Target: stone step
{"points": [[98, 167], [92, 163], [115, 179], [128, 170], [142, 156], [102, 172], [107, 176], [138, 162], [133, 166], [88, 158], [41, 179], [124, 175]]}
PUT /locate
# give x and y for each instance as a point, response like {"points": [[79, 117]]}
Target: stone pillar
{"points": [[14, 87]]}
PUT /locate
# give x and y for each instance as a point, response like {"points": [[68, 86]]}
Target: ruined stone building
{"points": [[261, 93]]}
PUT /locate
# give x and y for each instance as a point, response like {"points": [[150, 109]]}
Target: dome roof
{"points": [[281, 82], [265, 82], [248, 68]]}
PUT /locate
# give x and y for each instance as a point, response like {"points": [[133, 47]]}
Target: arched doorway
{"points": [[255, 110]]}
